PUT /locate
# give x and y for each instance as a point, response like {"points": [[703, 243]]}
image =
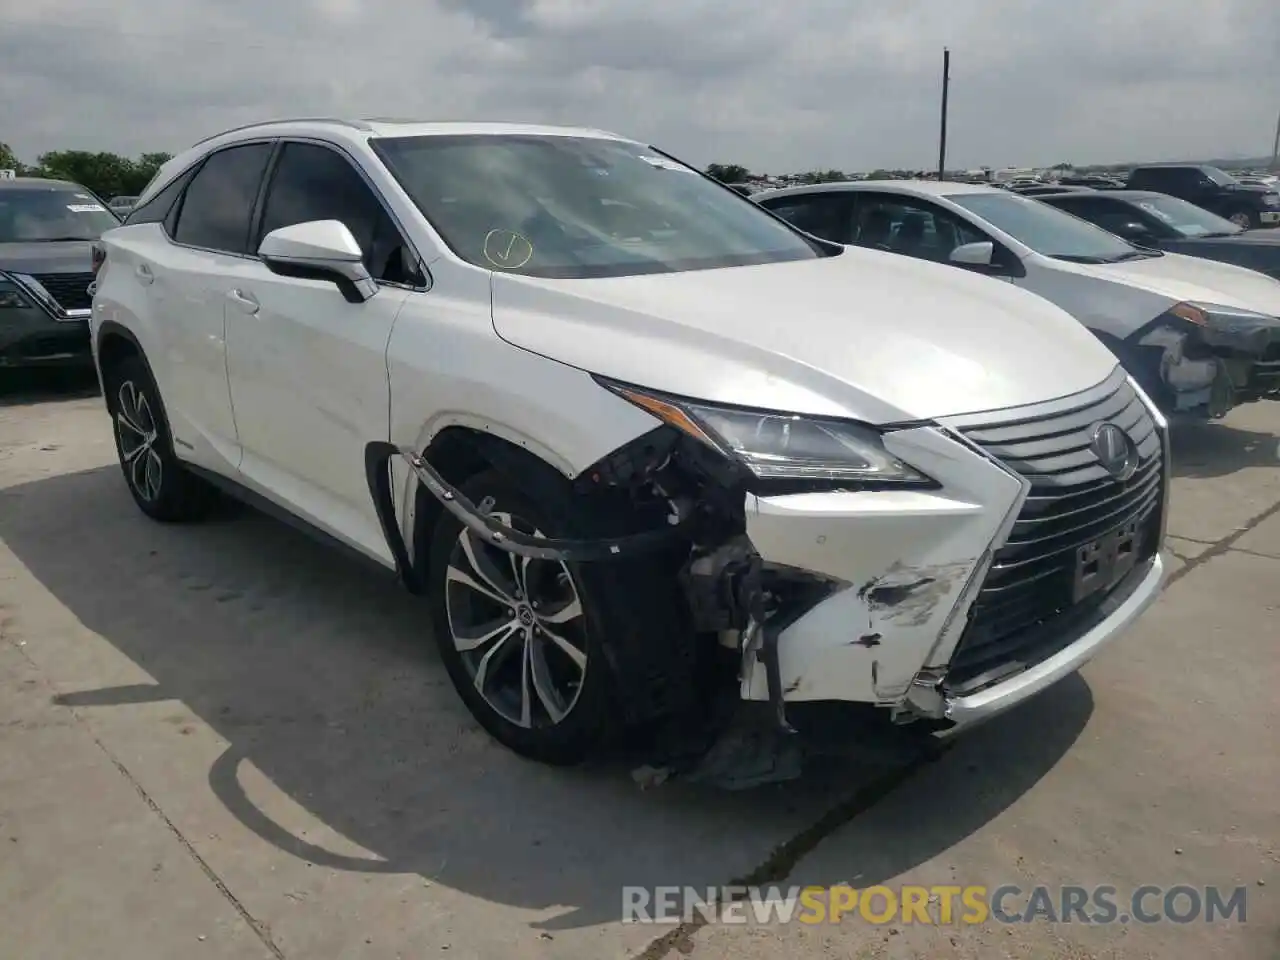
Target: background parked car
{"points": [[1046, 189], [1245, 205], [1200, 336], [47, 231], [1097, 182], [1167, 223], [121, 206]]}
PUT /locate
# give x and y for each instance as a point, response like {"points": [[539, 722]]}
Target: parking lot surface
{"points": [[224, 740]]}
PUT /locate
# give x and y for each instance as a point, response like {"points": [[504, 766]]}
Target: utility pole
{"points": [[942, 136], [1275, 149]]}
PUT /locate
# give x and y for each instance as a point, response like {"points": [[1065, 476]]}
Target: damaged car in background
{"points": [[1201, 337], [659, 462]]}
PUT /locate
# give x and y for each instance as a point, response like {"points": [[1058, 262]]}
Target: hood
{"points": [[74, 256], [1248, 188], [1195, 278], [864, 335], [1268, 236]]}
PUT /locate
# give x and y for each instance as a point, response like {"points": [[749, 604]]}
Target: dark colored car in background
{"points": [[1245, 205], [47, 232], [1167, 223], [1095, 181]]}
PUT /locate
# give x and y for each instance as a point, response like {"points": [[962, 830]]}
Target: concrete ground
{"points": [[225, 741]]}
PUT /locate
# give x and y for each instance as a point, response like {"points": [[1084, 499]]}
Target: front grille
{"points": [[1025, 610], [71, 290]]}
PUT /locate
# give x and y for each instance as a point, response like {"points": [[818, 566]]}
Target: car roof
{"points": [[38, 183], [919, 188], [356, 134], [397, 127], [1121, 194]]}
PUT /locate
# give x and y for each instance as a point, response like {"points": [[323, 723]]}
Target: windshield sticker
{"points": [[86, 208], [662, 163], [507, 250]]}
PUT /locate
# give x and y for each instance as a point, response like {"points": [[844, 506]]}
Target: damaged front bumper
{"points": [[962, 602], [1206, 368]]}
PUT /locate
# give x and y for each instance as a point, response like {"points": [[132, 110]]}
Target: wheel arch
{"points": [[114, 344]]}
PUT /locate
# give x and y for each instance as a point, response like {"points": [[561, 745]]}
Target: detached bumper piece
{"points": [[1085, 540]]}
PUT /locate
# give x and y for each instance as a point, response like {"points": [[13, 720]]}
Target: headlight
{"points": [[1216, 315], [782, 446]]}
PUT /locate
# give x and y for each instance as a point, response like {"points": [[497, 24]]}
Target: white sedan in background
{"points": [[1200, 336]]}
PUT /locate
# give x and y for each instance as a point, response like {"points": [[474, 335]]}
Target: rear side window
{"points": [[218, 206], [822, 216], [157, 208], [311, 182]]}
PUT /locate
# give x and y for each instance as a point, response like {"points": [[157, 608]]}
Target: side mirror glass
{"points": [[974, 254], [319, 250]]}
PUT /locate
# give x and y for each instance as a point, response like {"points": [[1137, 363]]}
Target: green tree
{"points": [[106, 174], [728, 172], [9, 160]]}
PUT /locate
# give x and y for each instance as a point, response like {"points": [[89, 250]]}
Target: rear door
{"points": [[206, 237], [308, 370]]}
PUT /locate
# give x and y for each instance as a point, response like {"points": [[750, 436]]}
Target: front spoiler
{"points": [[965, 711]]}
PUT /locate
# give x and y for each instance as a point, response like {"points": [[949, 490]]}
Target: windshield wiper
{"points": [[1134, 255], [1218, 233], [58, 240], [1079, 258]]}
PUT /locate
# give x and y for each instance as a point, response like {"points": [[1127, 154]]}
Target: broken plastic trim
{"points": [[475, 518]]}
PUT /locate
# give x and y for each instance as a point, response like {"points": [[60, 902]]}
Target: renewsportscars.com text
{"points": [[937, 905]]}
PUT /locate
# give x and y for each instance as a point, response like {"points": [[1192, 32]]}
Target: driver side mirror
{"points": [[978, 255], [319, 250]]}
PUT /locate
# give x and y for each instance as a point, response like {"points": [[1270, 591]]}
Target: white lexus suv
{"points": [[646, 448]]}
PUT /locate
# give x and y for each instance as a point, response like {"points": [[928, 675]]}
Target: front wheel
{"points": [[1244, 219], [520, 637]]}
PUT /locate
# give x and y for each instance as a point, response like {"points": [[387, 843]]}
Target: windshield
{"points": [[1188, 219], [1044, 229], [1220, 177], [581, 207], [35, 216]]}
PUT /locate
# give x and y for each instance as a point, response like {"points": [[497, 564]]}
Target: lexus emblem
{"points": [[1115, 451]]}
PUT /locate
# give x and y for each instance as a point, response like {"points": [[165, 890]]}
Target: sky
{"points": [[777, 87]]}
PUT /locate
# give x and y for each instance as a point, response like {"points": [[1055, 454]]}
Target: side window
{"points": [[911, 227], [818, 215], [218, 205], [315, 183], [156, 210], [1107, 214]]}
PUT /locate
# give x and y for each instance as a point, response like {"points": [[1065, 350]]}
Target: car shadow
{"points": [[1207, 449], [321, 674], [29, 385]]}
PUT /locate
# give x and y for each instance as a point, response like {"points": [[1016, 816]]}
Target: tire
{"points": [[1244, 218], [581, 714], [160, 485]]}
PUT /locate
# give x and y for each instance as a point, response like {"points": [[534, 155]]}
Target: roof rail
{"points": [[354, 124]]}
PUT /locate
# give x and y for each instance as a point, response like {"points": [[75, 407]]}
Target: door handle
{"points": [[243, 301], [144, 274]]}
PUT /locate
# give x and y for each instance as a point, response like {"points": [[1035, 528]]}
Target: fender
{"points": [[377, 460]]}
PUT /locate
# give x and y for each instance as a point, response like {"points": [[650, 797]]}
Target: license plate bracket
{"points": [[1102, 563]]}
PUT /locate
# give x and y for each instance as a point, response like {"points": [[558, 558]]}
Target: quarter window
{"points": [[156, 210], [218, 206], [316, 183]]}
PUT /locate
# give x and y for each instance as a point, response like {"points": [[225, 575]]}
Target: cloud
{"points": [[783, 86]]}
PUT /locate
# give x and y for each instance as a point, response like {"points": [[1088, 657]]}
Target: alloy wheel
{"points": [[1240, 220], [137, 434], [519, 627]]}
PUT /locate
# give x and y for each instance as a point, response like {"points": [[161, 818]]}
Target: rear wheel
{"points": [[160, 485], [1243, 218]]}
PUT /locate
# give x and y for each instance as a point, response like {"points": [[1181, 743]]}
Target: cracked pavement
{"points": [[227, 741]]}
